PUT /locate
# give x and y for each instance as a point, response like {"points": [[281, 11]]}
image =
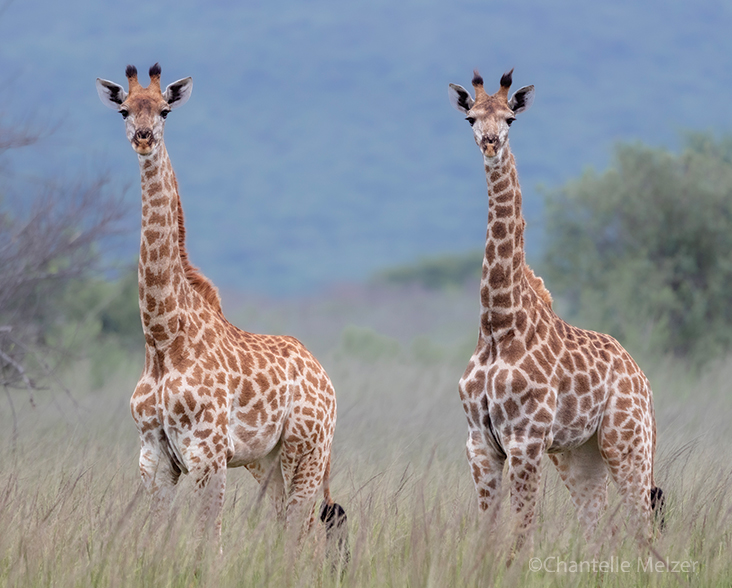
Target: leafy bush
{"points": [[99, 320], [50, 236], [644, 250], [44, 254]]}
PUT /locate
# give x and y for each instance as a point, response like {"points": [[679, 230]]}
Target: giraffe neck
{"points": [[502, 282], [163, 288]]}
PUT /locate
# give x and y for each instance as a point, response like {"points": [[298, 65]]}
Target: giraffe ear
{"points": [[522, 99], [178, 93], [111, 94], [460, 98]]}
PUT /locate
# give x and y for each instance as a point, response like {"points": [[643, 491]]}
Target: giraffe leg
{"points": [[160, 476], [268, 472], [630, 467], [524, 475], [635, 490], [584, 473], [209, 481], [303, 475], [486, 467]]}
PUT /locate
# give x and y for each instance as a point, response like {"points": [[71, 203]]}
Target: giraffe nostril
{"points": [[143, 134]]}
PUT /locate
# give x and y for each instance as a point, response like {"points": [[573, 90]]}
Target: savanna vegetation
{"points": [[51, 232], [644, 250], [74, 514]]}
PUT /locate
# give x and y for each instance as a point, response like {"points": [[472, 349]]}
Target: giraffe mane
{"points": [[537, 284], [200, 283]]}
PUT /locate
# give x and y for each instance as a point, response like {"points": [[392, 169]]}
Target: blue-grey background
{"points": [[319, 146]]}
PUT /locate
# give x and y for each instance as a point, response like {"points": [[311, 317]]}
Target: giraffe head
{"points": [[144, 109], [491, 115]]}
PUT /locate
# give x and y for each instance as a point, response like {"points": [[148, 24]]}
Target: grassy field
{"points": [[72, 511]]}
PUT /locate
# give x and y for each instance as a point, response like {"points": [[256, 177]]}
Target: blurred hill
{"points": [[319, 146]]}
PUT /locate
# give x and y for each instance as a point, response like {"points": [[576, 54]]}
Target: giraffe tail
{"points": [[333, 515], [658, 505], [658, 500]]}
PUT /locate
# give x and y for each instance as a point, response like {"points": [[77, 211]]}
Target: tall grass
{"points": [[72, 511]]}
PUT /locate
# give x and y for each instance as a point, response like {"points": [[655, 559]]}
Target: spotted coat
{"points": [[536, 385], [212, 396]]}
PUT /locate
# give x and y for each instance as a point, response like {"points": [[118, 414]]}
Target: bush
{"points": [[50, 236], [644, 250], [99, 320]]}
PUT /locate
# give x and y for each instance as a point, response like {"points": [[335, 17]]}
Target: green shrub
{"points": [[644, 250]]}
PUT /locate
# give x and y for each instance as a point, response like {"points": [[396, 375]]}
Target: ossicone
{"points": [[477, 79], [131, 73], [154, 73], [478, 84], [507, 79]]}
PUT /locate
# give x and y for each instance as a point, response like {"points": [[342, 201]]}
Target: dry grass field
{"points": [[72, 511]]}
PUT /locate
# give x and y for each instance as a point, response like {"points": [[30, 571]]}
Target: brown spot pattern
{"points": [[548, 386]]}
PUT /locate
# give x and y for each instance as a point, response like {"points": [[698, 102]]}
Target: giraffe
{"points": [[536, 385], [212, 396]]}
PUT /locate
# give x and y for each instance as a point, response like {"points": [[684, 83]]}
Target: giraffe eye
{"points": [[471, 120], [124, 112], [510, 120], [165, 113]]}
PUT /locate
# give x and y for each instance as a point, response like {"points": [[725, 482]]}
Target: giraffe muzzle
{"points": [[489, 140], [489, 145], [143, 141]]}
